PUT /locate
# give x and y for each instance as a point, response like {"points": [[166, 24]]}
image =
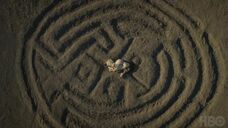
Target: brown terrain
{"points": [[53, 53]]}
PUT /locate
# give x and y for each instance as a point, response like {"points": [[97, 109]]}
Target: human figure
{"points": [[119, 66]]}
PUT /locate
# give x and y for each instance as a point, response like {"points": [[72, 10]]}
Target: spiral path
{"points": [[176, 72]]}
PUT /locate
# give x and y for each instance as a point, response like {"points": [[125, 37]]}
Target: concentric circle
{"points": [[176, 73]]}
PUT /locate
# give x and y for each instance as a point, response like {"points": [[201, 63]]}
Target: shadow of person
{"points": [[133, 68]]}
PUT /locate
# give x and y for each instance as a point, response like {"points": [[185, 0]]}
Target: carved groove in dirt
{"points": [[175, 75]]}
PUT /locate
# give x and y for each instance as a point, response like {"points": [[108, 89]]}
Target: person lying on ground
{"points": [[119, 66]]}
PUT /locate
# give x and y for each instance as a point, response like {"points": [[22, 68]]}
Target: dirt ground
{"points": [[52, 55]]}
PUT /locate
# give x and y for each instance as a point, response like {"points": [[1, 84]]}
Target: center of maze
{"points": [[175, 74]]}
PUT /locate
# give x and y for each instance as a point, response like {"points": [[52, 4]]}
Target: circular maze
{"points": [[176, 65]]}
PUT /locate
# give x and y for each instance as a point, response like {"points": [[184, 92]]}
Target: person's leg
{"points": [[124, 72]]}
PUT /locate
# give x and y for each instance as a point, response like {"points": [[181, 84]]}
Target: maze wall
{"points": [[176, 65]]}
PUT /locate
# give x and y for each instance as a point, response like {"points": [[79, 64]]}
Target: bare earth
{"points": [[53, 54]]}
